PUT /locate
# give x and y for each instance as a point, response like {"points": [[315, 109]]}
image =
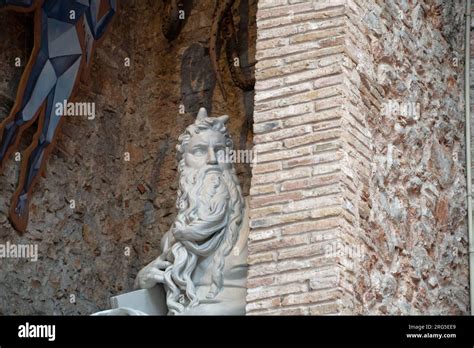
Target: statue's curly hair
{"points": [[208, 123], [183, 253]]}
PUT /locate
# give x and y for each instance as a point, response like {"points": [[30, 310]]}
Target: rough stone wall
{"points": [[358, 207], [118, 204], [415, 238], [471, 85]]}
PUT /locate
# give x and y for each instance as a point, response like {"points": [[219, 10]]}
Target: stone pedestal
{"points": [[150, 301]]}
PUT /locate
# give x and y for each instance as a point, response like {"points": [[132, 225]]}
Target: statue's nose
{"points": [[211, 156]]}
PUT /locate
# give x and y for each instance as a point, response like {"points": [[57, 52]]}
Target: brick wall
{"points": [[323, 239], [300, 207]]}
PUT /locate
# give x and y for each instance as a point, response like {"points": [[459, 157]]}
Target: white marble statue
{"points": [[203, 260]]}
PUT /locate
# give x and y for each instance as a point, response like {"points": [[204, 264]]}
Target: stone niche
{"points": [[121, 207]]}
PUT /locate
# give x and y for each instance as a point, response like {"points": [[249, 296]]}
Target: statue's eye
{"points": [[198, 151]]}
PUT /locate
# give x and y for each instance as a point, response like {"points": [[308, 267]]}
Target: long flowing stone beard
{"points": [[210, 207]]}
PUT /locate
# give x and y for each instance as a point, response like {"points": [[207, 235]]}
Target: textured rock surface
{"points": [[415, 234], [119, 204]]}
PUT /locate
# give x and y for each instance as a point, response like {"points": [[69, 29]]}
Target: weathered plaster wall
{"points": [[118, 204]]}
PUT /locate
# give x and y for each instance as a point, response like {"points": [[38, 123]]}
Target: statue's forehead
{"points": [[207, 137]]}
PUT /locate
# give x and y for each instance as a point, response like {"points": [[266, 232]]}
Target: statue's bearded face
{"points": [[210, 207], [205, 193], [206, 149]]}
